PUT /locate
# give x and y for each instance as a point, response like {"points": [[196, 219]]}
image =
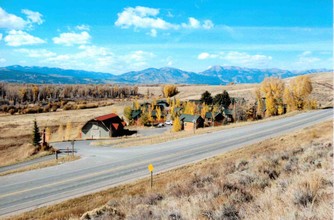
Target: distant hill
{"points": [[216, 75]]}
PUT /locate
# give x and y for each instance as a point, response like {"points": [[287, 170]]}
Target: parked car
{"points": [[169, 122], [160, 125]]}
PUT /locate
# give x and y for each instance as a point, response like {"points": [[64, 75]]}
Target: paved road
{"points": [[103, 167], [141, 132]]}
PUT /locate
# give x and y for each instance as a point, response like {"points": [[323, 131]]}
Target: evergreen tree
{"points": [[36, 137], [206, 98], [222, 99]]}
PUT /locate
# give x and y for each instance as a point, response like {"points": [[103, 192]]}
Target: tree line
{"points": [[31, 93]]}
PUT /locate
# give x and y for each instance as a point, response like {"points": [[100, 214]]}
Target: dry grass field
{"points": [[287, 177], [16, 130]]}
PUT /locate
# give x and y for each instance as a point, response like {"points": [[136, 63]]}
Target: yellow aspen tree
{"points": [[158, 113], [177, 126], [280, 109], [149, 116], [299, 88], [271, 108], [154, 102], [204, 110], [258, 96], [178, 103], [168, 101], [273, 88], [136, 105], [289, 99], [173, 102], [190, 108]]}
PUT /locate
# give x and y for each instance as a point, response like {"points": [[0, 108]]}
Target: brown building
{"points": [[110, 125], [191, 122]]}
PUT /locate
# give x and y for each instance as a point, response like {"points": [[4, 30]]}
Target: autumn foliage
{"points": [[177, 126], [295, 95], [169, 91]]}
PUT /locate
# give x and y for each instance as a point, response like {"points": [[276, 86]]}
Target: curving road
{"points": [[103, 167]]}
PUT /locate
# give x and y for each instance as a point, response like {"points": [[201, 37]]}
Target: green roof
{"points": [[189, 118], [135, 113], [209, 114]]}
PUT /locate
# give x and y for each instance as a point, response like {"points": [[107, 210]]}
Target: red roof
{"points": [[105, 117], [115, 125]]}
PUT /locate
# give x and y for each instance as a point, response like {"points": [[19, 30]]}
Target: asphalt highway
{"points": [[104, 167]]}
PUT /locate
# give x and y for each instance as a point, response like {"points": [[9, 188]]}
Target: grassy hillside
{"points": [[288, 177]]}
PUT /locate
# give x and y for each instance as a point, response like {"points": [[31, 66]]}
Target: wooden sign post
{"points": [[151, 168]]}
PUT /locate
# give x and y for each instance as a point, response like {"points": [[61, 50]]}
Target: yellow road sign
{"points": [[150, 167]]}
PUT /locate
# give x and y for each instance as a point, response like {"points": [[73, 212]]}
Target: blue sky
{"points": [[120, 36]]}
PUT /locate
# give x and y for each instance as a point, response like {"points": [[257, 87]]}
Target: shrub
{"points": [[68, 107], [169, 91], [229, 212]]}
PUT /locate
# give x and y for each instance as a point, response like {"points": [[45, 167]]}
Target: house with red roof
{"points": [[104, 126]]}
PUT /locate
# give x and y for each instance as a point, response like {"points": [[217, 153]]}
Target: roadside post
{"points": [[194, 122], [151, 168], [72, 142], [56, 154]]}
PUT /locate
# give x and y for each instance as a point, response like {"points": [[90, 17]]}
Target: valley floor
{"points": [[288, 177]]}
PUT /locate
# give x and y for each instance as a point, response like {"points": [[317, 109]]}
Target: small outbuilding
{"points": [[104, 126]]}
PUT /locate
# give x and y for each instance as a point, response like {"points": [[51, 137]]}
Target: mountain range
{"points": [[215, 75]]}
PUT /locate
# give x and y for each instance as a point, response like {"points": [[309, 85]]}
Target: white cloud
{"points": [[2, 60], [19, 38], [205, 55], [245, 59], [307, 60], [33, 16], [36, 53], [10, 21], [91, 57], [93, 51], [138, 56], [193, 23], [141, 17], [238, 58], [83, 27], [69, 39]]}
